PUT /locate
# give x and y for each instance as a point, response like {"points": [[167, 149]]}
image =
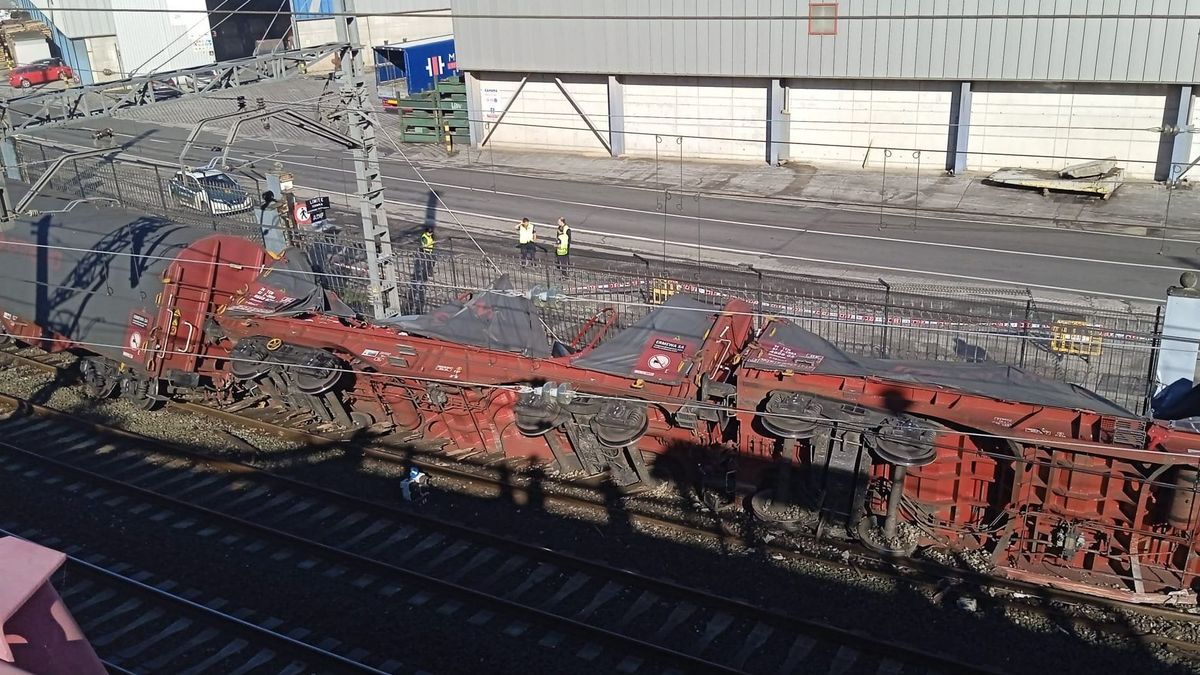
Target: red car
{"points": [[40, 72]]}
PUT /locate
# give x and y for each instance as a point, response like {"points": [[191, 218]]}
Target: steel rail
{"points": [[858, 640], [547, 618], [242, 626], [928, 574]]}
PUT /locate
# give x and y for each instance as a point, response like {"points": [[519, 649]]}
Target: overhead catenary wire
{"points": [[1150, 342], [182, 35], [442, 13], [428, 186], [814, 144], [514, 385]]}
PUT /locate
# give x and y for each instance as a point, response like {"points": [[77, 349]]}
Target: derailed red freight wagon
{"points": [[1053, 483], [1039, 479], [480, 375]]}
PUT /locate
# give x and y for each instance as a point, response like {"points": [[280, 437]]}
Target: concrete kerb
{"points": [[827, 186], [1187, 229]]}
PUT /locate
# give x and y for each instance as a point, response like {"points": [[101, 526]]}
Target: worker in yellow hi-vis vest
{"points": [[526, 241], [562, 252], [424, 267]]}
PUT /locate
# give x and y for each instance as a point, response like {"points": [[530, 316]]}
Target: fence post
{"points": [[1152, 370], [887, 305], [117, 183], [453, 262], [158, 186], [78, 178], [1025, 329]]}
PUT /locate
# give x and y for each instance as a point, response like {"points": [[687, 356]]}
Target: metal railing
{"points": [[147, 186], [1110, 352]]}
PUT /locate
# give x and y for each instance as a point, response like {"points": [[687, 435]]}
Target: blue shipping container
{"points": [[418, 63]]}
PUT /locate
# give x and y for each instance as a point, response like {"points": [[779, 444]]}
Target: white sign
{"points": [[492, 103], [659, 362]]}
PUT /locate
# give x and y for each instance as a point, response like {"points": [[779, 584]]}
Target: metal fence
{"points": [[1110, 352], [148, 186]]}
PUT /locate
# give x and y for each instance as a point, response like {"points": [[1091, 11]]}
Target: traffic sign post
{"points": [[317, 208]]}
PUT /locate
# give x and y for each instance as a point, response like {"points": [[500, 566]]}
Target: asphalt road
{"points": [[809, 238]]}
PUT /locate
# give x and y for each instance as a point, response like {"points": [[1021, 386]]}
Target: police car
{"points": [[211, 191]]}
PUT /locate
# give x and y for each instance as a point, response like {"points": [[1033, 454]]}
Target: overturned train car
{"points": [[1035, 479]]}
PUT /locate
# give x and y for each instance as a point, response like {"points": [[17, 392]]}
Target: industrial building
{"points": [[314, 26], [937, 83], [102, 45]]}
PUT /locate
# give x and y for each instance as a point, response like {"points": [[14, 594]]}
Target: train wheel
{"points": [[361, 420], [99, 381], [141, 393]]}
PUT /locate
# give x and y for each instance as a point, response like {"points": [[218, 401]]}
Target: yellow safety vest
{"points": [[525, 233], [426, 242], [564, 244]]}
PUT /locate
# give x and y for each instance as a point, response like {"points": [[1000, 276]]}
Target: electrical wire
{"points": [[668, 400], [1132, 340], [933, 152], [440, 13], [429, 187], [190, 29], [274, 18]]}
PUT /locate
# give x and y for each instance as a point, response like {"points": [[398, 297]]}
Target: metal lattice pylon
{"points": [[360, 117]]}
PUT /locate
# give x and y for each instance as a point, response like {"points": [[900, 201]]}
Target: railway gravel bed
{"points": [[965, 622], [144, 623], [609, 619]]}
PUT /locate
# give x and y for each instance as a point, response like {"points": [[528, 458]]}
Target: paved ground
{"points": [[953, 231]]}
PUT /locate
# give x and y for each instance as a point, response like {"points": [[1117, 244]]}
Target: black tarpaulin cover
{"points": [[659, 346], [785, 345], [288, 287], [495, 319]]}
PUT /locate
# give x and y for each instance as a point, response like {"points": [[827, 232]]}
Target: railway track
{"points": [[144, 623], [527, 593], [933, 576]]}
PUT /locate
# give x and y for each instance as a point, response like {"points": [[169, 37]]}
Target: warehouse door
{"points": [[105, 58]]}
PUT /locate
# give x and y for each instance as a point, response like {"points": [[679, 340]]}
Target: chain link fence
{"points": [[1110, 352], [226, 205]]}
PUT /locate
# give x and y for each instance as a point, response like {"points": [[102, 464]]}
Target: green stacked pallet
{"points": [[424, 118]]}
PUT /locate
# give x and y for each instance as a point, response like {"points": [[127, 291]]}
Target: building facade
{"points": [[390, 26], [956, 84]]}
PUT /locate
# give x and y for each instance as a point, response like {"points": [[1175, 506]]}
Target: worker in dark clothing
{"points": [[562, 252], [526, 241]]}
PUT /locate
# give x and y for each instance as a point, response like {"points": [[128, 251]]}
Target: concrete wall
{"points": [[541, 117], [855, 123], [717, 118], [996, 40], [848, 124], [1064, 125]]}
